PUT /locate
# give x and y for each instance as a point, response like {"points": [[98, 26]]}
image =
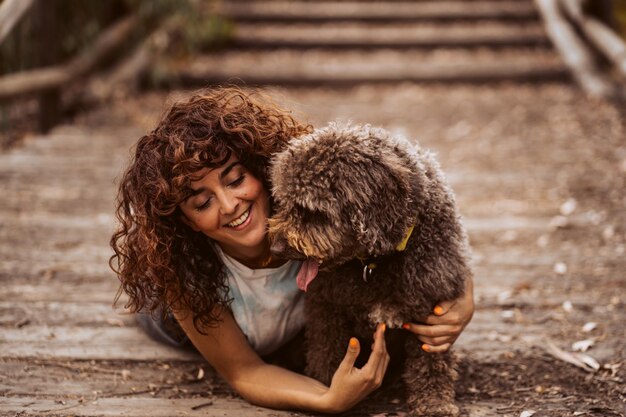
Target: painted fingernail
{"points": [[438, 310], [353, 342], [406, 326], [425, 347], [384, 326]]}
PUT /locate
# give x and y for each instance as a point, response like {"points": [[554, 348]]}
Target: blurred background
{"points": [[522, 101]]}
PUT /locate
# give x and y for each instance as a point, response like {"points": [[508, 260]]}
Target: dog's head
{"points": [[341, 193]]}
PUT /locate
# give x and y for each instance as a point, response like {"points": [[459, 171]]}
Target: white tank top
{"points": [[267, 304]]}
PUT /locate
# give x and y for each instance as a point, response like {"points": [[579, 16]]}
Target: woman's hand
{"points": [[449, 318], [349, 384]]}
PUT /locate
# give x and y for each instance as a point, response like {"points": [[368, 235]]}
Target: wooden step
{"points": [[259, 11], [337, 68], [363, 36]]}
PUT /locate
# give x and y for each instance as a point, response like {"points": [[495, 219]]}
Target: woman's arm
{"points": [[227, 350], [444, 326]]}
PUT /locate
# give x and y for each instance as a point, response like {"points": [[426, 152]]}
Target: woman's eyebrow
{"points": [[194, 192], [228, 169]]}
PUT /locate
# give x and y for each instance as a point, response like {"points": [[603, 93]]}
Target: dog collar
{"points": [[402, 245], [370, 266]]}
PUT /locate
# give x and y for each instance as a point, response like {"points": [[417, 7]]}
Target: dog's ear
{"points": [[384, 207]]}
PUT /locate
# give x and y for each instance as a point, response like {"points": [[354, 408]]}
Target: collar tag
{"points": [[402, 245]]}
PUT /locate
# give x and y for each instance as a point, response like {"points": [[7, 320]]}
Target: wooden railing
{"points": [[562, 19], [46, 82]]}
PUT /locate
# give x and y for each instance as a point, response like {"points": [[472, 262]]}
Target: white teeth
{"points": [[239, 220]]}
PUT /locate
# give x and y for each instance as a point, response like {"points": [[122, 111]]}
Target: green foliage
{"points": [[77, 23]]}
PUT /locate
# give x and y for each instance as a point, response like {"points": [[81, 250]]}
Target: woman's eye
{"points": [[237, 181], [204, 205]]}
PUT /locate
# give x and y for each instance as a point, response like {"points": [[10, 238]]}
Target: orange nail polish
{"points": [[425, 347], [438, 310], [384, 327], [406, 326], [353, 342]]}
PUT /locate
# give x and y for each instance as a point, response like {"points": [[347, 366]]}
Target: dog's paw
{"points": [[435, 410]]}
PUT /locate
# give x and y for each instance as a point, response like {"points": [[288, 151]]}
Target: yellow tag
{"points": [[402, 245]]}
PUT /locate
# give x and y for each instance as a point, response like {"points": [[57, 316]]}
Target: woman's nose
{"points": [[228, 203]]}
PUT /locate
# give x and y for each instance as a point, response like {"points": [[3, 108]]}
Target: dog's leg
{"points": [[327, 337], [429, 379]]}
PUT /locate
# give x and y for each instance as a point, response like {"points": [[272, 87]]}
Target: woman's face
{"points": [[230, 206]]}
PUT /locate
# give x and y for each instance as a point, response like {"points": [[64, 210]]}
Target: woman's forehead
{"points": [[220, 170]]}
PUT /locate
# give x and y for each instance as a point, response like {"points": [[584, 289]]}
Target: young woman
{"points": [[192, 211]]}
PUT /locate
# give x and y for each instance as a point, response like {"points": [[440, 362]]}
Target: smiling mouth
{"points": [[241, 219]]}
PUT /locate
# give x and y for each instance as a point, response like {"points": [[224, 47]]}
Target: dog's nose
{"points": [[278, 247]]}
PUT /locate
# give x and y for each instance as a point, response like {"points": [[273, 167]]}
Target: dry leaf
{"points": [[590, 326], [581, 360], [560, 268], [558, 222], [567, 306], [568, 207], [588, 360], [582, 345], [507, 314], [504, 296], [115, 322]]}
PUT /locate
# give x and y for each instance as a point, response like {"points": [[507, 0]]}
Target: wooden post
{"points": [[48, 51]]}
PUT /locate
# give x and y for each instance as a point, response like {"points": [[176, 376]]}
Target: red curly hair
{"points": [[161, 262]]}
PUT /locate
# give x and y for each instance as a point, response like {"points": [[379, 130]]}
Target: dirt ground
{"points": [[540, 177]]}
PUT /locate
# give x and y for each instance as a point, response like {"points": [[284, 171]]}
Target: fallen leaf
{"points": [[558, 222], [590, 326], [560, 268], [568, 207], [581, 360], [504, 296], [567, 306], [507, 314], [588, 360], [115, 322], [583, 345], [527, 413]]}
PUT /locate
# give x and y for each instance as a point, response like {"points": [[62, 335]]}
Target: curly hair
{"points": [[163, 264]]}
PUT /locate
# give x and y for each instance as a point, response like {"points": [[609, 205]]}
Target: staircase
{"points": [[352, 42]]}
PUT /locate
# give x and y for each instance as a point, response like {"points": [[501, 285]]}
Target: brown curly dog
{"points": [[376, 225]]}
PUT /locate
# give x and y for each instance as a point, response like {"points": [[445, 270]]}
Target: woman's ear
{"points": [[189, 223]]}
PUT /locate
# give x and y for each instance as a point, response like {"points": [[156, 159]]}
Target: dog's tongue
{"points": [[307, 273]]}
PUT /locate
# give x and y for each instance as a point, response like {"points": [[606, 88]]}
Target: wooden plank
{"points": [[257, 11], [59, 313], [97, 291], [157, 407], [98, 343], [254, 40], [463, 73], [136, 407], [104, 221]]}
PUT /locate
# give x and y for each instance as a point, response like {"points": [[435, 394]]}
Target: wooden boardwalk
{"points": [[539, 172]]}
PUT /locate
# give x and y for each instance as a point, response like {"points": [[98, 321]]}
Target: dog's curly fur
{"points": [[346, 196]]}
